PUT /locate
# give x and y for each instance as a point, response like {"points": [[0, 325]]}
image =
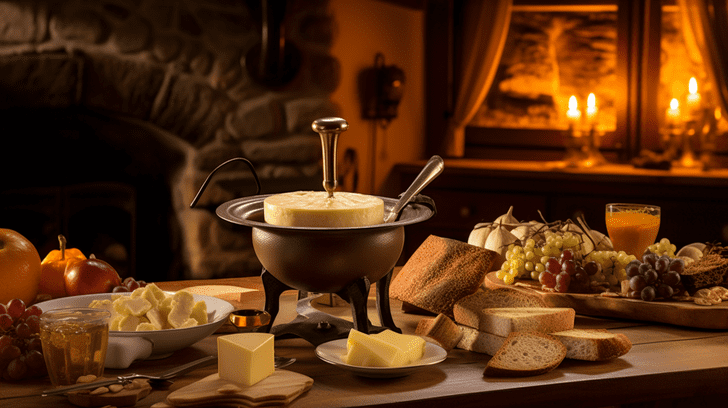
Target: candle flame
{"points": [[674, 104], [572, 103], [693, 86], [591, 101]]}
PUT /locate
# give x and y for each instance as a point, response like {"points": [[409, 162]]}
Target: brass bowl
{"points": [[325, 259]]}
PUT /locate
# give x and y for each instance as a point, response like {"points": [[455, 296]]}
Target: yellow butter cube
{"points": [[182, 304], [146, 327], [412, 347], [367, 351], [245, 358], [138, 306]]}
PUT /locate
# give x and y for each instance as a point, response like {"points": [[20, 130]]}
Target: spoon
{"points": [[432, 169], [252, 320]]}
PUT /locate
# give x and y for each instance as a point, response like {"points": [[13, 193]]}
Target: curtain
{"points": [[485, 26], [705, 28]]}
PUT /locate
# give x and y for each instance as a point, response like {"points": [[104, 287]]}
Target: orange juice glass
{"points": [[632, 227]]}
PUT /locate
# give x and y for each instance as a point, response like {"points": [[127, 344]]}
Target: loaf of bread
{"points": [[479, 342], [440, 330], [503, 321], [593, 344], [439, 273], [526, 354], [500, 297]]}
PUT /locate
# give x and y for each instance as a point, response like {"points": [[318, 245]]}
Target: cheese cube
{"points": [[199, 312], [182, 304], [245, 358], [368, 351], [411, 347]]}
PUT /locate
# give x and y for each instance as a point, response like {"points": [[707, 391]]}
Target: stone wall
{"points": [[175, 67]]}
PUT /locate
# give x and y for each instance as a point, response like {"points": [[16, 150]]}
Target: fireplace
{"points": [[118, 111]]}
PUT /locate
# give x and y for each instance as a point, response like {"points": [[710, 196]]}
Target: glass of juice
{"points": [[74, 343], [632, 227]]}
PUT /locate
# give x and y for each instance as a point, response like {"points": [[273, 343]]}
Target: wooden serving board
{"points": [[680, 313], [280, 388]]}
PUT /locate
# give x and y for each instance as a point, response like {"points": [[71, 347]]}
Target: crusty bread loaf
{"points": [[439, 273], [526, 354], [479, 342], [440, 330], [593, 344], [504, 320]]}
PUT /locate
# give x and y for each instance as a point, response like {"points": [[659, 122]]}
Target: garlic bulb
{"points": [[498, 241], [480, 233], [523, 232], [507, 220]]}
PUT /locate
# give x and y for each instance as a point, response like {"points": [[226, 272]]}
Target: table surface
{"points": [[665, 362]]}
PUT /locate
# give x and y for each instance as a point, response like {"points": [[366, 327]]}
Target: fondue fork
{"points": [[432, 169]]}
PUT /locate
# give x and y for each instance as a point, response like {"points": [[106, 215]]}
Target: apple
{"points": [[87, 276]]}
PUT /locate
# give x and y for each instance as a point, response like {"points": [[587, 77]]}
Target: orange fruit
{"points": [[54, 266], [19, 268]]}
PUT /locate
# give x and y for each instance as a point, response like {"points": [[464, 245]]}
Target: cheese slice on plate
{"points": [[245, 358], [317, 209], [385, 349]]}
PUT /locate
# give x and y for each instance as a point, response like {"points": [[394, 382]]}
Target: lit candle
{"points": [[573, 114], [693, 102], [673, 113], [591, 110]]}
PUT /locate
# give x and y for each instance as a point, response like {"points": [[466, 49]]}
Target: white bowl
{"points": [[126, 346]]}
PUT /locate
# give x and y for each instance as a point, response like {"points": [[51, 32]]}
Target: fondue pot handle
{"points": [[209, 177]]}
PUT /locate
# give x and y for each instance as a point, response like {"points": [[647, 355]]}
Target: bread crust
{"points": [[593, 344]]}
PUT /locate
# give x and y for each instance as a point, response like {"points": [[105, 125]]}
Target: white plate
{"points": [[333, 352], [126, 346]]}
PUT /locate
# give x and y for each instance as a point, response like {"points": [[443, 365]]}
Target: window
{"points": [[630, 54]]}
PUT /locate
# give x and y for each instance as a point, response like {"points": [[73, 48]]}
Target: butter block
{"points": [[367, 351], [411, 347], [317, 209], [245, 358]]}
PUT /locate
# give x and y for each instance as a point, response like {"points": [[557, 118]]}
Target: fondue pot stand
{"points": [[314, 260]]}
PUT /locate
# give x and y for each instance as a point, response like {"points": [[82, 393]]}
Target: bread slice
{"points": [[526, 354], [593, 344], [478, 341], [467, 308], [440, 330], [504, 320]]}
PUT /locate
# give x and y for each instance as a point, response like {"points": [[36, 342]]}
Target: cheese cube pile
{"points": [[149, 308], [245, 358], [385, 349]]}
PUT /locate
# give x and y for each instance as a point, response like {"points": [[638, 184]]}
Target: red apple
{"points": [[92, 275]]}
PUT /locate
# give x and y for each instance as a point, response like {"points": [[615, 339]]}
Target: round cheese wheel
{"points": [[316, 209]]}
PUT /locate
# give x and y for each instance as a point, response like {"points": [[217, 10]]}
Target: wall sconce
{"points": [[380, 89]]}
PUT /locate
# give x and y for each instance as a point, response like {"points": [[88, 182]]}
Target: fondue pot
{"points": [[341, 260]]}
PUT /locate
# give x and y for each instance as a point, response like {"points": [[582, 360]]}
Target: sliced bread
{"points": [[502, 321], [478, 341], [440, 330], [526, 354], [593, 344], [469, 307]]}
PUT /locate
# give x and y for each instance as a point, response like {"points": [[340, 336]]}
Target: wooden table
{"points": [[687, 366]]}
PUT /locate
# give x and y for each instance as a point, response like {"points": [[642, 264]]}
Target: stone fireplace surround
{"points": [[160, 84]]}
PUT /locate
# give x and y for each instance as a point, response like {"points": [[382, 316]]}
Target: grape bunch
{"points": [[654, 277], [21, 353], [129, 285], [613, 265], [567, 274], [663, 247], [529, 260]]}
